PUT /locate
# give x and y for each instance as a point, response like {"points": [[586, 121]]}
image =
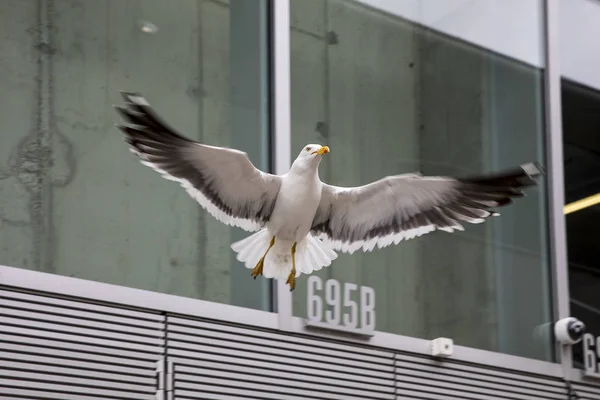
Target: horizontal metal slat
{"points": [[256, 373], [206, 352], [253, 389], [183, 325], [26, 394], [466, 387], [434, 388], [118, 376], [25, 379], [481, 370], [27, 315], [50, 330], [42, 388], [39, 362], [82, 305], [588, 387], [290, 354], [200, 336], [441, 372], [417, 394], [226, 362], [86, 317], [214, 396], [72, 354], [276, 382], [208, 392], [586, 392], [64, 340]]}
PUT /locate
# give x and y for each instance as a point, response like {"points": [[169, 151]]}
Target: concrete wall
{"points": [[457, 278], [482, 113], [74, 200], [520, 253], [19, 186]]}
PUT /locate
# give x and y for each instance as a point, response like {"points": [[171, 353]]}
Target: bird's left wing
{"points": [[224, 181], [406, 206]]}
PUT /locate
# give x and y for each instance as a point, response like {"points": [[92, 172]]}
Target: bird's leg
{"points": [[292, 277], [258, 270]]}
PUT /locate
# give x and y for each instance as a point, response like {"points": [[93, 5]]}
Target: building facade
{"points": [[115, 284]]}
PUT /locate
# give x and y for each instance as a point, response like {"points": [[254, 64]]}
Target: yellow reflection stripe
{"points": [[583, 203]]}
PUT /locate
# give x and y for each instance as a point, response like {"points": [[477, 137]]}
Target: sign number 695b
{"points": [[345, 306]]}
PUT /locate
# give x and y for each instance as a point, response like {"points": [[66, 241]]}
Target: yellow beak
{"points": [[321, 151]]}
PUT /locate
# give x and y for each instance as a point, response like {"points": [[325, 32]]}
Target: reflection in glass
{"points": [[388, 96], [581, 143], [73, 200]]}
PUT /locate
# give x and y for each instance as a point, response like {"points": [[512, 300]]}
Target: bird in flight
{"points": [[300, 222]]}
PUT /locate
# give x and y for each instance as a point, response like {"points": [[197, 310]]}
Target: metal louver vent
{"points": [[424, 378], [52, 348], [224, 362], [586, 392]]}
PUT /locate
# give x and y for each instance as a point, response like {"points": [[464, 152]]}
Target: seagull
{"points": [[299, 222]]}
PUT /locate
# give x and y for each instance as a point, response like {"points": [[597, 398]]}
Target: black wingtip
{"points": [[128, 96], [128, 113], [129, 128], [522, 176], [121, 127], [125, 94], [533, 169], [138, 111], [120, 109]]}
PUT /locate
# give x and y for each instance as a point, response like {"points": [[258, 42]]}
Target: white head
{"points": [[310, 156]]}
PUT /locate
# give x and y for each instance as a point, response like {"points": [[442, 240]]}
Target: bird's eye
{"points": [[307, 149]]}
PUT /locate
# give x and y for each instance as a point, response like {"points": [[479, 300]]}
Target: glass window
{"points": [[392, 95], [73, 200], [581, 124]]}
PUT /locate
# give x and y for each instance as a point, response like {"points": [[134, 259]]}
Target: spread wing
{"points": [[224, 181], [402, 207]]}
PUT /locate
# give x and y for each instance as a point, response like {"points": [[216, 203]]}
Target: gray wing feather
{"points": [[402, 207], [224, 181]]}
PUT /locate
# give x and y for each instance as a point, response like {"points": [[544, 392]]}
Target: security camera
{"points": [[569, 330]]}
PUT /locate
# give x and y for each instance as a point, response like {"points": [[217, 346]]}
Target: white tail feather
{"points": [[311, 254]]}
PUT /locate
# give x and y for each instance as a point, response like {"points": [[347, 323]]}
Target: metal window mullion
{"points": [[170, 380], [554, 149], [160, 379], [280, 24]]}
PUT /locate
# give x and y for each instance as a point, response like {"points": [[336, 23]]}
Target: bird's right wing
{"points": [[406, 206], [224, 181]]}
